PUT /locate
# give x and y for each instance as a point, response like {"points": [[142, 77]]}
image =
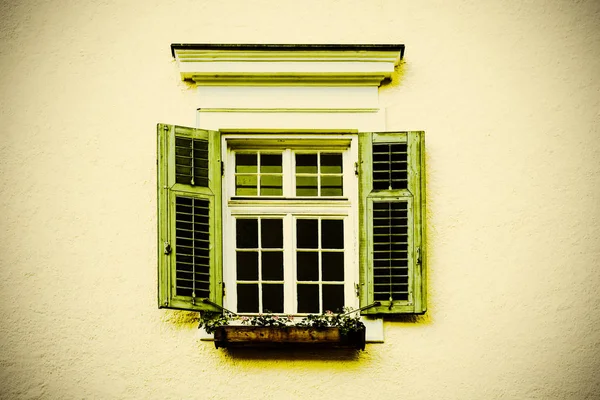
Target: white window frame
{"points": [[290, 209]]}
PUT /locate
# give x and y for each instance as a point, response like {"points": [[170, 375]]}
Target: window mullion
{"points": [[318, 174], [320, 261], [289, 265], [260, 283], [289, 176]]}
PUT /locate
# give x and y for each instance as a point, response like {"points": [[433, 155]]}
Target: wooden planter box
{"points": [[286, 337]]}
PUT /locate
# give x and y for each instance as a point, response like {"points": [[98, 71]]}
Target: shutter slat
{"points": [[390, 166], [187, 210], [389, 268], [191, 161]]}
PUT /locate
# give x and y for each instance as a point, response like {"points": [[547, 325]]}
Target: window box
{"points": [[288, 337]]}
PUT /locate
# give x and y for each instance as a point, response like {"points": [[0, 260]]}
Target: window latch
{"points": [[167, 248]]}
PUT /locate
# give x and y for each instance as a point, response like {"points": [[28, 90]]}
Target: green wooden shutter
{"points": [[392, 204], [189, 218]]}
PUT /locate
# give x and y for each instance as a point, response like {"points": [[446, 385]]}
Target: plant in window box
{"points": [[268, 330]]}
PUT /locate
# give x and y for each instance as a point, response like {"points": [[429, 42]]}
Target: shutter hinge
{"points": [[419, 255], [222, 168], [167, 248], [357, 288], [223, 287], [356, 168]]}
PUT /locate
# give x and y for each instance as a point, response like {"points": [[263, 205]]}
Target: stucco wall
{"points": [[508, 93]]}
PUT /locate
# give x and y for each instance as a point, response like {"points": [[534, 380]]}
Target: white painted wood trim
{"points": [[289, 67]]}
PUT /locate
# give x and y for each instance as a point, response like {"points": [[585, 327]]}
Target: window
{"points": [[290, 223], [289, 212]]}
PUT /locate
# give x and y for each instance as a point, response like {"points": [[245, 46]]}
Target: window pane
{"points": [[331, 186], [247, 265], [272, 298], [307, 266], [271, 233], [331, 163], [332, 234], [245, 185], [246, 233], [307, 234], [306, 163], [308, 298], [272, 266], [333, 298], [271, 185], [333, 266], [246, 163], [247, 297], [270, 163], [306, 186]]}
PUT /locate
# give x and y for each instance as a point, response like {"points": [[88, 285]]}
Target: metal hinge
{"points": [[222, 168], [223, 286], [356, 168], [167, 248], [419, 255], [357, 288]]}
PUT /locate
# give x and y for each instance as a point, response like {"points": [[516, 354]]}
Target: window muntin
{"points": [[319, 264], [319, 174], [258, 174], [299, 277], [259, 264]]}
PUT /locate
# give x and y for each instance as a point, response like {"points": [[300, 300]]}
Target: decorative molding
{"points": [[289, 65]]}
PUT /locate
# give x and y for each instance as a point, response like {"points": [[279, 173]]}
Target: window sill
{"points": [[287, 337]]}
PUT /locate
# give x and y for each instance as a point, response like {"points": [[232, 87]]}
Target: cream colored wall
{"points": [[509, 95]]}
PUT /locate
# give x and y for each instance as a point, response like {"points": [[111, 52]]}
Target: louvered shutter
{"points": [[189, 218], [391, 222]]}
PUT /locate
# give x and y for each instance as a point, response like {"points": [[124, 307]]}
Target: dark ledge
{"points": [[288, 47], [288, 337]]}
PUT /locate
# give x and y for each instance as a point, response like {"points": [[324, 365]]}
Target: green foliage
{"points": [[347, 322], [212, 320], [268, 320]]}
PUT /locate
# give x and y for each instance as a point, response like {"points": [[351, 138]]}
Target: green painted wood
{"points": [[414, 195], [168, 191]]}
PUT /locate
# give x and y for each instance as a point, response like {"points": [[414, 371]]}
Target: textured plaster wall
{"points": [[509, 95]]}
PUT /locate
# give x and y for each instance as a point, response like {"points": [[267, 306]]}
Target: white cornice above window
{"points": [[287, 64]]}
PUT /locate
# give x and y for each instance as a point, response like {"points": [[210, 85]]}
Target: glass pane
{"points": [[245, 185], [333, 266], [270, 163], [272, 298], [306, 186], [246, 163], [306, 163], [333, 298], [331, 185], [246, 234], [331, 163], [332, 234], [247, 297], [307, 234], [308, 299], [272, 266], [247, 266], [271, 233], [307, 266], [271, 185]]}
